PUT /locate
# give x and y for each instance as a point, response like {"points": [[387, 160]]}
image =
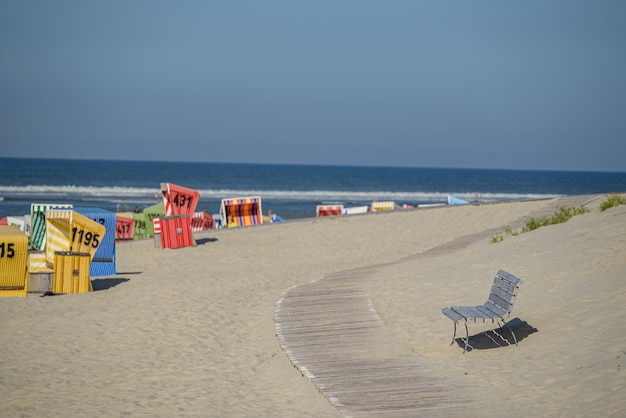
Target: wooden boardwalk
{"points": [[331, 332]]}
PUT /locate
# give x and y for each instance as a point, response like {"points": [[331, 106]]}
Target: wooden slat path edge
{"points": [[332, 334]]}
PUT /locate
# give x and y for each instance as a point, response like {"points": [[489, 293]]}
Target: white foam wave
{"points": [[104, 193], [72, 190]]}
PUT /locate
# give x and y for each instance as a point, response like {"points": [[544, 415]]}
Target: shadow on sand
{"points": [[499, 337], [103, 284], [202, 241]]}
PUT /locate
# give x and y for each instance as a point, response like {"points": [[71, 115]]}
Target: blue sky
{"points": [[477, 84]]}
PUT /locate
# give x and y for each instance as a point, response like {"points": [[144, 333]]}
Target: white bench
{"points": [[497, 308]]}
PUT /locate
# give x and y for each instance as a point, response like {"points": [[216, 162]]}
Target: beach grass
{"points": [[612, 201], [563, 214]]}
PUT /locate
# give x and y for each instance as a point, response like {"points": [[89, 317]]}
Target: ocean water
{"points": [[291, 191]]}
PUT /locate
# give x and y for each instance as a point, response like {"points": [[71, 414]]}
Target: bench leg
{"points": [[466, 338], [453, 335]]}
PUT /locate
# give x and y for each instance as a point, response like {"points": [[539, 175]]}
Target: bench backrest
{"points": [[503, 292]]}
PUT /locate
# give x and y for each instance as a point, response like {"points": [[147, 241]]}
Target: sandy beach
{"points": [[191, 332]]}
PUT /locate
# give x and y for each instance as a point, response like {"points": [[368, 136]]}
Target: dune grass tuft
{"points": [[611, 201], [563, 214]]}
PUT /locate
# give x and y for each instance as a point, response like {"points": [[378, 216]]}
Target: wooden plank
{"points": [[473, 314], [330, 330], [453, 315], [503, 304], [505, 296], [509, 277], [506, 287], [498, 311]]}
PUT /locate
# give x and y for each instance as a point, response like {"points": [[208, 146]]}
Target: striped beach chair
{"points": [[217, 221], [243, 211], [328, 210], [37, 262], [201, 221], [38, 223], [69, 231]]}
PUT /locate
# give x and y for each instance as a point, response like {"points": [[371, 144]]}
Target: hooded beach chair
{"points": [[72, 240], [103, 262], [13, 254], [380, 206], [38, 223], [124, 228], [70, 231], [179, 205], [201, 221], [242, 211], [328, 210], [149, 213]]}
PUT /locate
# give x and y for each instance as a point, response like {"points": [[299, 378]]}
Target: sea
{"points": [[290, 191]]}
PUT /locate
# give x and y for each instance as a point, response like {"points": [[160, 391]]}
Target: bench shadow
{"points": [[202, 241], [103, 284], [499, 337]]}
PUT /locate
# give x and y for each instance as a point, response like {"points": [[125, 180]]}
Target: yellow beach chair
{"points": [[13, 253]]}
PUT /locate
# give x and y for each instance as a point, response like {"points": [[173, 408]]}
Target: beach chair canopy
{"points": [[243, 211], [179, 200], [69, 231]]}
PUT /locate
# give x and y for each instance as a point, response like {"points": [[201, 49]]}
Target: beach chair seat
{"points": [[497, 308]]}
